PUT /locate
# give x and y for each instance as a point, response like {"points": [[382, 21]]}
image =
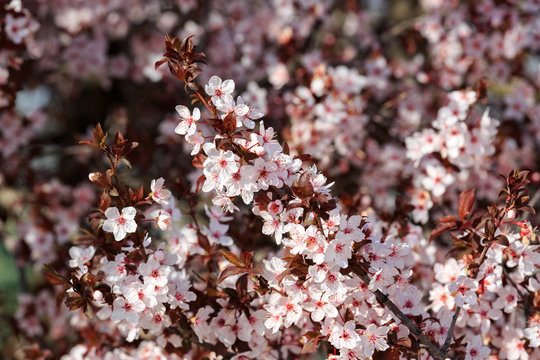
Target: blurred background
{"points": [[349, 82]]}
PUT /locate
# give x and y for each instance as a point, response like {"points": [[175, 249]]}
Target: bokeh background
{"points": [[349, 82]]}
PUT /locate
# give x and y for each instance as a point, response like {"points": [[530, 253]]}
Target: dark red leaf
{"points": [[231, 270], [447, 219], [199, 183], [441, 229], [310, 346], [53, 278], [466, 201], [198, 161], [100, 180], [247, 256], [233, 259]]}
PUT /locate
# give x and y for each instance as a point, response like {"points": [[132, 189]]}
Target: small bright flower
{"points": [[188, 125], [97, 295], [195, 141], [533, 334], [163, 220], [344, 336], [320, 306], [159, 193], [376, 336], [267, 141], [476, 350], [218, 233], [179, 293], [154, 273], [220, 91], [339, 251], [128, 307], [80, 256], [118, 224], [464, 290], [507, 299], [20, 27]]}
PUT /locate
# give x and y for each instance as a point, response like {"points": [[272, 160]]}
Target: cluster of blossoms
{"points": [[463, 137], [490, 299], [314, 295], [370, 99], [146, 350], [142, 292]]}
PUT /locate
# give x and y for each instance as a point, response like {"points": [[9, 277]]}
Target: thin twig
{"points": [[451, 330], [433, 350]]}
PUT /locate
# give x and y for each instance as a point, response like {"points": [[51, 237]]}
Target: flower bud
{"points": [[97, 295]]}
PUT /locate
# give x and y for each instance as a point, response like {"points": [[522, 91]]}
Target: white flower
{"points": [[80, 256], [195, 141], [408, 301], [179, 292], [376, 337], [344, 336], [217, 232], [20, 27], [127, 307], [533, 334], [476, 350], [220, 91], [118, 224], [162, 219], [188, 125], [339, 251], [507, 299], [219, 167], [383, 278], [159, 193], [464, 289], [320, 306], [267, 141], [437, 180], [154, 273], [441, 297]]}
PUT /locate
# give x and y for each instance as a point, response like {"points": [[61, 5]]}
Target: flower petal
{"points": [[196, 114], [129, 212], [183, 111], [227, 86], [112, 213]]}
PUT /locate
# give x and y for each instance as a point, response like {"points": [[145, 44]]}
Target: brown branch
{"points": [[451, 330], [383, 299], [119, 185]]}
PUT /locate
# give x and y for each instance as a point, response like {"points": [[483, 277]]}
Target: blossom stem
{"points": [[383, 299], [451, 330], [115, 175]]}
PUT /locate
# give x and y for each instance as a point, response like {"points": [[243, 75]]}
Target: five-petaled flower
{"points": [[188, 125], [464, 289], [220, 91], [159, 193], [120, 225]]}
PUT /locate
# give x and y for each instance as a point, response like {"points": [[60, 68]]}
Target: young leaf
{"points": [[233, 259], [230, 270], [441, 229], [466, 201], [310, 346]]}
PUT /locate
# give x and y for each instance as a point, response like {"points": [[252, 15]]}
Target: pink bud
{"points": [[97, 295], [512, 214]]}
